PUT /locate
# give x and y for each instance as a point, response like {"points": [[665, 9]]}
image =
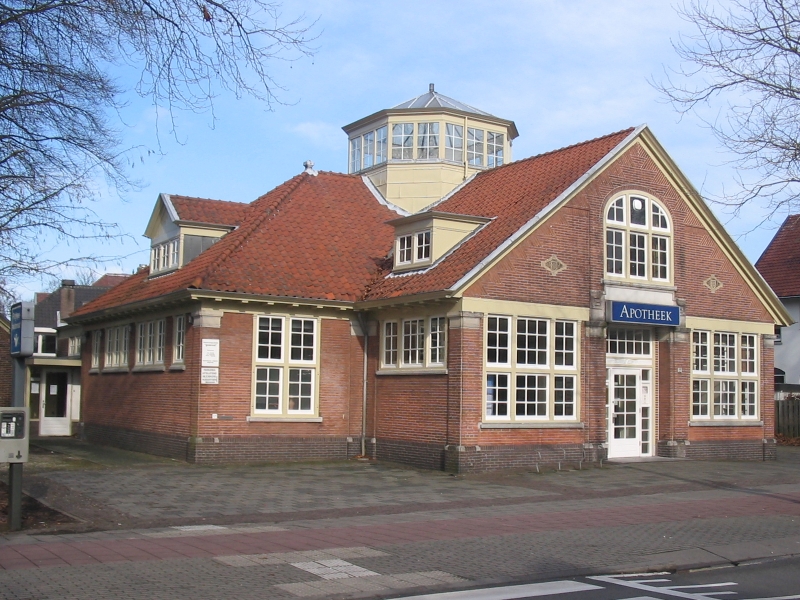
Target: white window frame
{"points": [[150, 338], [355, 154], [494, 148], [390, 346], [74, 348], [368, 150], [96, 348], [381, 144], [117, 342], [543, 369], [285, 342], [413, 342], [405, 249], [428, 141], [179, 339], [437, 332], [475, 147], [402, 141], [165, 256], [454, 143], [496, 401], [742, 385], [638, 251], [630, 338]]}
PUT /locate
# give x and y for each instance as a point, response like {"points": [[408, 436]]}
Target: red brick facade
{"points": [[436, 419]]}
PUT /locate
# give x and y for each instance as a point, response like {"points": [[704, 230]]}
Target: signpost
{"points": [[14, 421]]}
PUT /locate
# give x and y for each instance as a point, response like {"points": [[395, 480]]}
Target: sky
{"points": [[563, 71]]}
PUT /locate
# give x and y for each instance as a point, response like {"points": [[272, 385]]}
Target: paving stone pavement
{"points": [[371, 530]]}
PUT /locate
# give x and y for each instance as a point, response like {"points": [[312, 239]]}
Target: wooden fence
{"points": [[787, 416]]}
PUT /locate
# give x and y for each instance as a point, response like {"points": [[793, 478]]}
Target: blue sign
{"points": [[22, 329], [645, 314]]}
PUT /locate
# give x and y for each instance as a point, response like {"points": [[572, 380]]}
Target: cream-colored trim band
{"points": [[543, 425], [727, 423], [729, 325], [264, 419], [384, 372]]}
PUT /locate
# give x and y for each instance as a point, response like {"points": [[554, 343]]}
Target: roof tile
{"points": [[780, 262]]}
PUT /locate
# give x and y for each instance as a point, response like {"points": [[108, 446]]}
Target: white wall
{"points": [[787, 353]]}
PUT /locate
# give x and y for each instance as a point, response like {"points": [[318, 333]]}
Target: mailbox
{"points": [[14, 434]]}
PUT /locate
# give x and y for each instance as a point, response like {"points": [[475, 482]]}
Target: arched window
{"points": [[638, 239]]}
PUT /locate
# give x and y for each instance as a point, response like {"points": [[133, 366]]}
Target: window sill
{"points": [[145, 368], [401, 371], [177, 367], [94, 371], [278, 419], [727, 423], [115, 370], [534, 425]]}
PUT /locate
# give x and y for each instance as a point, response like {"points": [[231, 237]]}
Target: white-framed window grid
{"points": [[475, 147], [494, 149], [402, 141], [286, 364], [454, 142], [74, 347], [531, 369], [725, 375], [117, 343], [150, 338], [165, 256], [638, 239], [97, 341], [416, 342], [414, 248], [179, 337], [427, 141]]}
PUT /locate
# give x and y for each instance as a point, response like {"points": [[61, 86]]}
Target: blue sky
{"points": [[563, 71]]}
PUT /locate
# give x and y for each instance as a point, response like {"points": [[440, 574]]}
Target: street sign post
{"points": [[16, 422]]}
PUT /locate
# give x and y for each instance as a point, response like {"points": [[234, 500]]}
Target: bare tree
{"points": [[58, 99], [743, 63]]}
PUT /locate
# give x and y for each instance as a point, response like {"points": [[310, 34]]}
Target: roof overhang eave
{"points": [[403, 300], [513, 132], [130, 308]]}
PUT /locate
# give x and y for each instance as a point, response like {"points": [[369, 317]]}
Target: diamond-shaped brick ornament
{"points": [[713, 284], [554, 265]]}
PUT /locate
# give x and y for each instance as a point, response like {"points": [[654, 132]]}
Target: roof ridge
{"points": [[208, 199], [627, 130], [243, 232]]}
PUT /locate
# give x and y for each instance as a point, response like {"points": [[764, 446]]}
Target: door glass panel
{"points": [[624, 407], [55, 395]]}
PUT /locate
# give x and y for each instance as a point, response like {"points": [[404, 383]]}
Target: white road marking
{"points": [[511, 592], [667, 591]]}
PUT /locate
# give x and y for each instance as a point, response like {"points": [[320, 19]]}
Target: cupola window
{"points": [[403, 141]]}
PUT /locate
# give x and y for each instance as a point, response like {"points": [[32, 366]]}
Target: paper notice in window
{"points": [[34, 387], [53, 390], [209, 375], [210, 353]]}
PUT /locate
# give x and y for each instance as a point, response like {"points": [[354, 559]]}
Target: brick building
{"points": [[443, 306], [778, 264]]}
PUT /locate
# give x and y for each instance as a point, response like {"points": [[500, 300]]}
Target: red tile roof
{"points": [[316, 237], [212, 212], [326, 237], [780, 262], [110, 280], [510, 195]]}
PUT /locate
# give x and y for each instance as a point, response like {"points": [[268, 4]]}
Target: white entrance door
{"points": [[624, 402], [54, 413]]}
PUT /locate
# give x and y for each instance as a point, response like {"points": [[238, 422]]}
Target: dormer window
{"points": [[414, 248], [165, 256]]}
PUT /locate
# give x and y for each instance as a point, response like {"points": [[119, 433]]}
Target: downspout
{"points": [[362, 321]]}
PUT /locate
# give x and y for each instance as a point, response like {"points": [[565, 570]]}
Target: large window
{"points": [[117, 347], [454, 143], [150, 336], [494, 149], [369, 149], [427, 141], [531, 369], [414, 343], [286, 366], [475, 147], [724, 375], [403, 141], [637, 238], [97, 344]]}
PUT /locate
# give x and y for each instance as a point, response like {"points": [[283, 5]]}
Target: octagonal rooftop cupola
{"points": [[418, 151]]}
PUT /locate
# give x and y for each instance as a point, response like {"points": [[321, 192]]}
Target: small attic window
{"points": [[413, 248], [165, 256]]}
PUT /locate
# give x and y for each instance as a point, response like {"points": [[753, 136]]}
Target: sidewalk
{"points": [[159, 528]]}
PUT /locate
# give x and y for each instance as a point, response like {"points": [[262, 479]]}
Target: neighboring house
{"points": [[54, 371], [779, 264], [5, 362], [441, 306]]}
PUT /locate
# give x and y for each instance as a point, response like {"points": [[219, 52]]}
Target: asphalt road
{"points": [[769, 580]]}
